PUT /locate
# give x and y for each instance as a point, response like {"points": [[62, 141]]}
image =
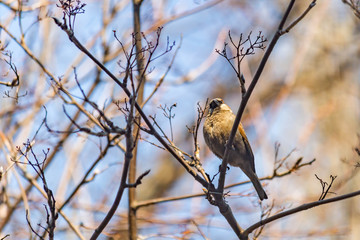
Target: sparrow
{"points": [[217, 127]]}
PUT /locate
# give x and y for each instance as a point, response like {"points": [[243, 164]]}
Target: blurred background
{"points": [[307, 100]]}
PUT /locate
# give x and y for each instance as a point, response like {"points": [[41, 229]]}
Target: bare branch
{"points": [[130, 146], [31, 227], [296, 166], [137, 106], [312, 4], [246, 96], [16, 81], [70, 9], [354, 5], [138, 180], [325, 190], [85, 179], [167, 113], [51, 211], [298, 209], [241, 53], [7, 235]]}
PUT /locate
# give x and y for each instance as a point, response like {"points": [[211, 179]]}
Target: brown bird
{"points": [[217, 128]]}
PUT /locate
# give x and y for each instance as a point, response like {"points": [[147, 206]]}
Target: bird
{"points": [[216, 130]]}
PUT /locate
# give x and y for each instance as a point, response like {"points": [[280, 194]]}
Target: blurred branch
{"points": [[204, 66], [58, 84], [265, 212], [16, 81], [29, 8], [51, 211], [70, 9], [199, 229], [191, 12], [154, 201], [138, 98], [7, 235], [354, 5], [34, 183], [85, 179]]}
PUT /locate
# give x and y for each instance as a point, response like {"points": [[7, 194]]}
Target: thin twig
{"points": [[162, 78], [84, 180], [312, 4]]}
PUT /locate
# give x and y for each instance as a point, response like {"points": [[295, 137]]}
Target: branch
{"points": [[296, 166], [128, 156], [162, 78], [239, 46], [137, 106], [246, 97], [354, 6], [325, 190], [251, 88], [85, 177], [216, 194], [312, 4], [298, 209], [138, 180], [38, 167], [31, 227], [16, 80]]}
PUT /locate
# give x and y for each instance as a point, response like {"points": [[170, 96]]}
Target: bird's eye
{"points": [[216, 103], [213, 104]]}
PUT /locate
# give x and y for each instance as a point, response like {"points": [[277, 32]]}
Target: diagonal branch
{"points": [[137, 106], [303, 207], [246, 96]]}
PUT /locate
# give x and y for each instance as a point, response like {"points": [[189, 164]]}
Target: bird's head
{"points": [[217, 104]]}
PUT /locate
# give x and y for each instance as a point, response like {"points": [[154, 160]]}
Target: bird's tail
{"points": [[257, 185]]}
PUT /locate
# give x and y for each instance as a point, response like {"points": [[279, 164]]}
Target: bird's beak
{"points": [[211, 111]]}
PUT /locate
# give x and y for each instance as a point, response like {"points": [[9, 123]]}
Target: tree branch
{"points": [[298, 209]]}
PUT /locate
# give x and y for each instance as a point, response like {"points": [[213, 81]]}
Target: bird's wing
{"points": [[247, 146]]}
